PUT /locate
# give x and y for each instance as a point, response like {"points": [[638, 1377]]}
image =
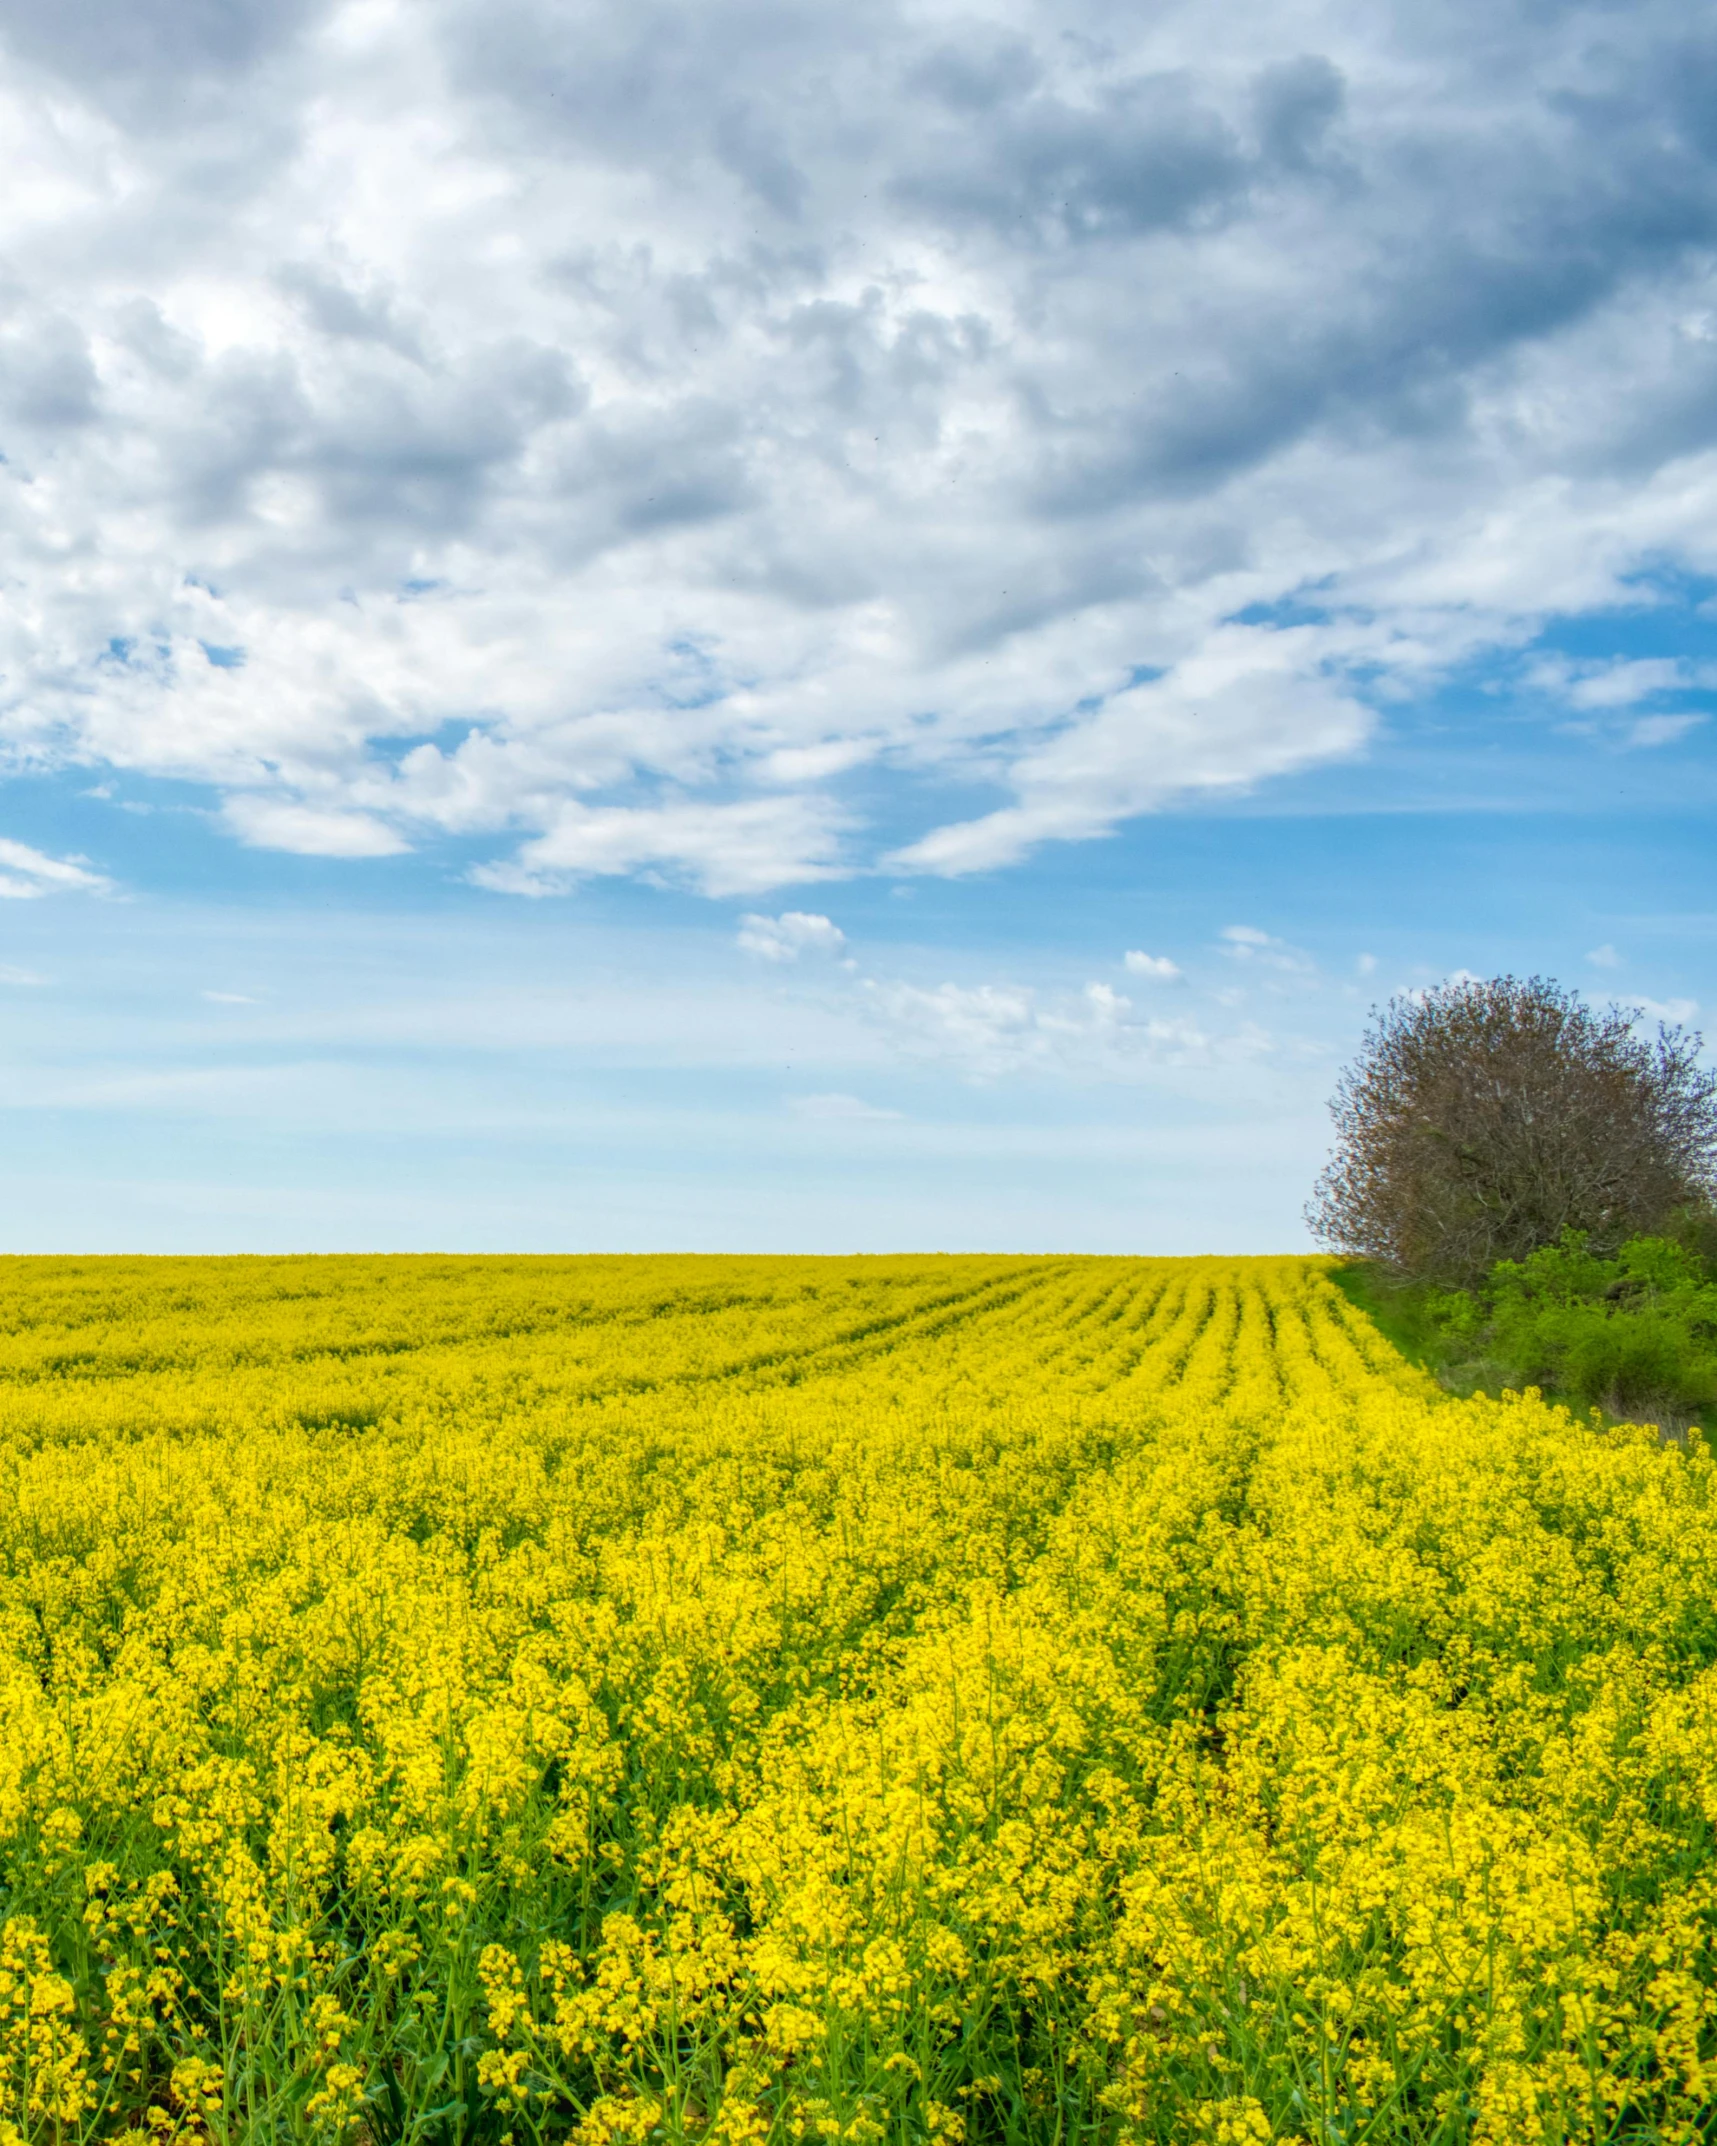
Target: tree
{"points": [[1482, 1119]]}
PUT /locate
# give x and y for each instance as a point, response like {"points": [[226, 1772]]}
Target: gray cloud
{"points": [[96, 44], [1145, 156], [47, 380], [607, 430]]}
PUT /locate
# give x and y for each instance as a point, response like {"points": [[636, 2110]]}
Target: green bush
{"points": [[1628, 1332]]}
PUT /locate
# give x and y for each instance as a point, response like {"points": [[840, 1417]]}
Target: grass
{"points": [[1488, 1355]]}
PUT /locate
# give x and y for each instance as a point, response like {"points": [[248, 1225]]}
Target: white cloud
{"points": [[992, 1030], [1608, 688], [1157, 967], [271, 823], [1676, 1011], [1617, 682], [228, 998], [21, 978], [26, 874], [987, 1027], [1245, 942], [1239, 709], [1604, 957], [1652, 730], [786, 937], [627, 437], [841, 1109], [720, 849], [1365, 965]]}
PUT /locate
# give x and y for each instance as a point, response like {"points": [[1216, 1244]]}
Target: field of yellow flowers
{"points": [[910, 1700]]}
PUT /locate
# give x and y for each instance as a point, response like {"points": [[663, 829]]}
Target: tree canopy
{"points": [[1483, 1119]]}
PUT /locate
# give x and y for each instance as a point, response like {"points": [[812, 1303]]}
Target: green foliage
{"points": [[1634, 1333]]}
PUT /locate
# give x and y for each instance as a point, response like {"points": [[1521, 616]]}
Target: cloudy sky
{"points": [[821, 626]]}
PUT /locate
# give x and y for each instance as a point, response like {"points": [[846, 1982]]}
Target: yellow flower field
{"points": [[917, 1699]]}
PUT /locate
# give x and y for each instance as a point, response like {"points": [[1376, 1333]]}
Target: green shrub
{"points": [[1627, 1332]]}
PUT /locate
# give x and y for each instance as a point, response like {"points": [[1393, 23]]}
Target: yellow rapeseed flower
{"points": [[744, 1700]]}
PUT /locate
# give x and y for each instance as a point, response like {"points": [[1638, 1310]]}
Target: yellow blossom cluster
{"points": [[478, 1702]]}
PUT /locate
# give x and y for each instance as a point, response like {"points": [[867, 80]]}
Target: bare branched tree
{"points": [[1482, 1119]]}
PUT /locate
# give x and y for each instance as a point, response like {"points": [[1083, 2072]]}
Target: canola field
{"points": [[904, 1700]]}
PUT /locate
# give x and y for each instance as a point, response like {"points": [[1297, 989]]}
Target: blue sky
{"points": [[824, 629]]}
